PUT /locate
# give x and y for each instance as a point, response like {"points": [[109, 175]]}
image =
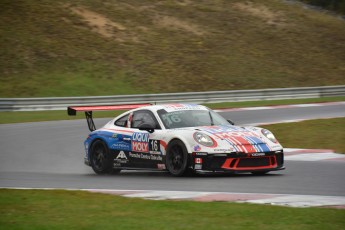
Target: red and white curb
{"points": [[291, 121], [294, 154], [282, 106], [300, 201], [255, 198]]}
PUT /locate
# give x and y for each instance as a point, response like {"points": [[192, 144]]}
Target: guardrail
{"points": [[61, 103]]}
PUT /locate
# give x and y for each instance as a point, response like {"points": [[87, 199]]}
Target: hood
{"points": [[242, 139]]}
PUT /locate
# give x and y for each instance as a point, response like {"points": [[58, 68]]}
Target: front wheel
{"points": [[100, 158], [177, 158]]}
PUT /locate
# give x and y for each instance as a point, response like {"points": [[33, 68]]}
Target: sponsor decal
{"points": [[155, 153], [161, 166], [121, 155], [258, 154], [121, 158], [114, 135], [154, 147], [224, 150], [140, 137], [145, 156], [176, 107], [134, 155], [116, 164], [198, 166], [139, 146], [197, 148], [198, 160], [121, 145], [140, 142], [224, 129], [156, 158], [199, 154]]}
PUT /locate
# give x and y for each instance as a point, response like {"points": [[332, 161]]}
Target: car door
{"points": [[146, 147]]}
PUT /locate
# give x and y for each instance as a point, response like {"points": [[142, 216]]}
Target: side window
{"points": [[122, 121], [144, 117]]}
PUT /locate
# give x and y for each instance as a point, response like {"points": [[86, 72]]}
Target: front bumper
{"points": [[238, 162]]}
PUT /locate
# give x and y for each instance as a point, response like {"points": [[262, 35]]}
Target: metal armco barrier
{"points": [[61, 103]]}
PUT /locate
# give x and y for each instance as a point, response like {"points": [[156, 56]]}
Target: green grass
{"points": [[321, 134], [35, 209], [32, 116], [165, 46]]}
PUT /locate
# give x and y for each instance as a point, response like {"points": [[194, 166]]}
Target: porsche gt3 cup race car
{"points": [[179, 138]]}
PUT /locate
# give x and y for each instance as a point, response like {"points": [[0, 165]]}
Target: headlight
{"points": [[203, 139], [269, 135]]}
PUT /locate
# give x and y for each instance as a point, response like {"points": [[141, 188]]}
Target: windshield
{"points": [[190, 118]]}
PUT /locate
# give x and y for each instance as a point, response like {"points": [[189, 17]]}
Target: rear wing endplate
{"points": [[72, 111]]}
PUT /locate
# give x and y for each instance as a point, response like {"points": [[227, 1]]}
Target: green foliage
{"points": [[35, 209], [334, 5]]}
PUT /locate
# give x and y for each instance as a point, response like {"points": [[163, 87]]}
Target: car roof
{"points": [[167, 107], [174, 107]]}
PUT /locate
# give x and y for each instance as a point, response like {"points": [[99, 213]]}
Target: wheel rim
{"points": [[98, 157], [176, 159]]}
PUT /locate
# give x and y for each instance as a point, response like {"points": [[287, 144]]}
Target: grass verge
{"points": [[32, 116], [37, 209], [321, 133]]}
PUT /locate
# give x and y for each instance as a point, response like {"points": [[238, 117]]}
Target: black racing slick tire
{"points": [[177, 158], [101, 161]]}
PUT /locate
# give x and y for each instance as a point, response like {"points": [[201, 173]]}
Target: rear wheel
{"points": [[177, 158], [101, 161]]}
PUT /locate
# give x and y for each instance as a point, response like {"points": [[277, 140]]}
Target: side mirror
{"points": [[231, 122], [147, 127]]}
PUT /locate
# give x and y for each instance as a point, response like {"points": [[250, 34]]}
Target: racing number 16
{"points": [[154, 145]]}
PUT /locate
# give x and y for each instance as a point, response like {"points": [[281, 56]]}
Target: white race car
{"points": [[179, 138]]}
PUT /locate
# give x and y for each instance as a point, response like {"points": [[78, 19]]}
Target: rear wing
{"points": [[72, 111]]}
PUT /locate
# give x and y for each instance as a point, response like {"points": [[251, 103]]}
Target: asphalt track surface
{"points": [[50, 155]]}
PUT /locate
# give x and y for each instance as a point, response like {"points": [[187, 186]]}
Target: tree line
{"points": [[337, 6]]}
